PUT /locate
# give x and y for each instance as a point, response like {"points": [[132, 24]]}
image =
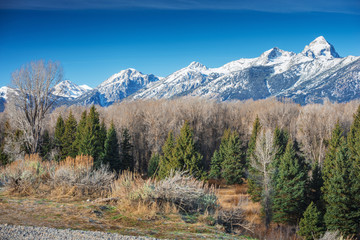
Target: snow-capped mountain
{"points": [[117, 87], [69, 89], [5, 93], [316, 73]]}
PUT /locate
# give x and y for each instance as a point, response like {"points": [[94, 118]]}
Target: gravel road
{"points": [[11, 232]]}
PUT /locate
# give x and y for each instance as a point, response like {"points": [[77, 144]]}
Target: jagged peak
{"points": [[196, 65], [320, 48]]}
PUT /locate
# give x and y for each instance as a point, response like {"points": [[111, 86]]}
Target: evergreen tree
{"points": [[281, 138], [233, 165], [91, 144], [69, 138], [218, 157], [127, 159], [46, 145], [167, 163], [329, 161], [314, 189], [290, 187], [102, 134], [58, 136], [185, 152], [153, 165], [111, 154], [254, 188], [80, 131], [354, 155], [338, 194], [311, 225]]}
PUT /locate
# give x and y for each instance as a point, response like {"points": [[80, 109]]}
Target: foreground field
{"points": [[87, 215]]}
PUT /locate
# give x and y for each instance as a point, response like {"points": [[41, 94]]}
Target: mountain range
{"points": [[315, 74]]}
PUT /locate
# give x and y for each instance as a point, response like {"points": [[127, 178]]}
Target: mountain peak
{"points": [[196, 65], [320, 48]]}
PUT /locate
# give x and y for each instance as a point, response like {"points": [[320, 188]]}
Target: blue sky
{"points": [[94, 40]]}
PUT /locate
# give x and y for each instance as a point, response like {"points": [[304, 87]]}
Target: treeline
{"points": [[300, 162]]}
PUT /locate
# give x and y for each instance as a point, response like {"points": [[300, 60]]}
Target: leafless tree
{"points": [[263, 156], [27, 109]]}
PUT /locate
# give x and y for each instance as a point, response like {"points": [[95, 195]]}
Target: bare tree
{"points": [[27, 109], [264, 154]]}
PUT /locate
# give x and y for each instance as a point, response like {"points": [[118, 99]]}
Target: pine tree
{"points": [[80, 131], [69, 147], [185, 152], [58, 136], [90, 144], [338, 194], [354, 155], [218, 157], [233, 165], [167, 163], [46, 145], [314, 189], [102, 134], [289, 200], [254, 188], [111, 153], [311, 225], [153, 165], [329, 161], [126, 156], [281, 138]]}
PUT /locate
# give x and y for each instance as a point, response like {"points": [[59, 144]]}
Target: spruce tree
{"points": [[91, 144], [185, 152], [289, 200], [102, 134], [69, 145], [233, 165], [281, 138], [314, 189], [338, 194], [354, 155], [167, 163], [46, 145], [311, 225], [58, 135], [111, 155], [254, 188], [80, 131], [153, 166], [126, 156], [218, 157]]}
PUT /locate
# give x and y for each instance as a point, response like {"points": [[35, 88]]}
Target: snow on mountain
{"points": [[117, 87], [68, 89], [317, 70]]}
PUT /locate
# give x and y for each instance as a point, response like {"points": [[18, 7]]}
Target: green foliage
{"points": [[90, 143], [185, 152], [218, 157], [314, 189], [338, 194], [153, 166], [233, 165], [254, 188], [166, 162], [126, 156], [69, 147], [354, 155], [290, 187], [102, 133], [281, 138], [80, 131], [46, 145], [59, 133], [111, 153], [311, 225]]}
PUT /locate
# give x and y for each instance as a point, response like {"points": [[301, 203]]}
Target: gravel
{"points": [[11, 232]]}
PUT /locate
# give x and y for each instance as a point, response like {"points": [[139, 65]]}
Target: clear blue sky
{"points": [[94, 40]]}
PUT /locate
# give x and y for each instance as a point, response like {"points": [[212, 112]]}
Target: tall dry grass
{"points": [[71, 177]]}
